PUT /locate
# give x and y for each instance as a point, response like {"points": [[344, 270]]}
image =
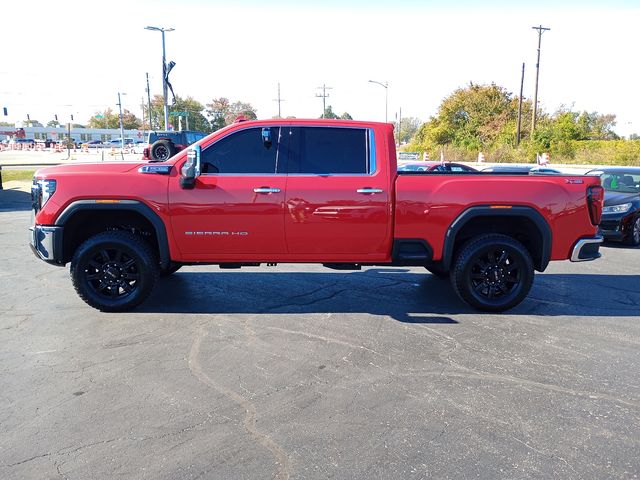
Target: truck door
{"points": [[237, 205], [337, 204]]}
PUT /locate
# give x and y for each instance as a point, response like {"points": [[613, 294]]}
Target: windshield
{"points": [[621, 182]]}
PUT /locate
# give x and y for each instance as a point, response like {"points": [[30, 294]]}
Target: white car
{"points": [[138, 147]]}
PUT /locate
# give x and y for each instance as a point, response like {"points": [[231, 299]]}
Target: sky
{"points": [[73, 57]]}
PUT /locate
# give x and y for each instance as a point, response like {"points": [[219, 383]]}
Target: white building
{"points": [[77, 134]]}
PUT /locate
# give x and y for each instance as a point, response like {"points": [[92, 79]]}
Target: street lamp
{"points": [[121, 126], [386, 96], [164, 73]]}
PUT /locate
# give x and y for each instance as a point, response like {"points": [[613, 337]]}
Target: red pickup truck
{"points": [[307, 191]]}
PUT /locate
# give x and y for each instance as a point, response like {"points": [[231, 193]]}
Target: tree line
{"points": [[484, 118]]}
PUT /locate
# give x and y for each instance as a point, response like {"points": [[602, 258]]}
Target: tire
{"points": [[114, 271], [163, 150], [633, 238], [438, 272], [172, 268], [492, 273]]}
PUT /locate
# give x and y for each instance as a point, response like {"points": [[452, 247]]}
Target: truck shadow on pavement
{"points": [[14, 200], [405, 295]]}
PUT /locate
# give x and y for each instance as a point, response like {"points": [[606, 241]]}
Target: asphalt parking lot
{"points": [[306, 373]]}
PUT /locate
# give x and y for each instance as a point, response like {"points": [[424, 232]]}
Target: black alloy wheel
{"points": [[493, 273], [114, 271], [162, 150]]}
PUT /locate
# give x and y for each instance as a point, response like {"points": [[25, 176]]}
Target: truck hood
{"points": [[88, 168]]}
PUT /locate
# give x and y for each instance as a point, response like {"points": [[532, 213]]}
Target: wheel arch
{"points": [[84, 218], [523, 223]]}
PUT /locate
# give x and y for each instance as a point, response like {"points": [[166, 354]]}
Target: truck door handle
{"points": [[369, 190], [266, 190]]}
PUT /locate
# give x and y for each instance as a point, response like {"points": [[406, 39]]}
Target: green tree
{"points": [[408, 128], [346, 116], [110, 119], [196, 119], [53, 123], [328, 113], [222, 112], [472, 119]]}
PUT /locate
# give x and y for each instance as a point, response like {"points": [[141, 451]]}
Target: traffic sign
{"points": [[178, 114]]}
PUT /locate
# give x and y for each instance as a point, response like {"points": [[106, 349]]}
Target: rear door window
{"points": [[329, 150]]}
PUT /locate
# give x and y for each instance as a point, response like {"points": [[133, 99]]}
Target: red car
{"points": [[306, 191]]}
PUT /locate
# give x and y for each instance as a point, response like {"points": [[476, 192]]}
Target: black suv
{"points": [[164, 145]]}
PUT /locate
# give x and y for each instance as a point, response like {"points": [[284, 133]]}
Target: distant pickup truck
{"points": [[307, 191]]}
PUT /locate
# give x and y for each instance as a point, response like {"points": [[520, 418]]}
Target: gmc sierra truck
{"points": [[306, 191]]}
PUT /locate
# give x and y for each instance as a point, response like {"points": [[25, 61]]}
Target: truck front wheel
{"points": [[114, 271], [493, 273]]}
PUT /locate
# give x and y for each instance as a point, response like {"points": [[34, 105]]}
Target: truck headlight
{"points": [[41, 192], [622, 208]]}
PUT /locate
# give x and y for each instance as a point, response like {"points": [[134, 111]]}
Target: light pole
{"points": [[121, 126], [386, 97], [164, 72]]}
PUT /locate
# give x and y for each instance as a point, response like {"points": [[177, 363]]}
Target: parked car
{"points": [[621, 212], [434, 167], [117, 141], [48, 142], [93, 144], [23, 141], [533, 169]]}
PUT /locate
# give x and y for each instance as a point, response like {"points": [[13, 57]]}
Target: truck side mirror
{"points": [[266, 138], [191, 168]]}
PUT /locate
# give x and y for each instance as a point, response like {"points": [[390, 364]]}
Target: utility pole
{"points": [[121, 127], [324, 97], [149, 102], [540, 30], [399, 125], [520, 106], [279, 100], [142, 106]]}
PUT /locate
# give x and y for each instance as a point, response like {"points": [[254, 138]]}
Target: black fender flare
{"points": [[527, 212], [124, 205]]}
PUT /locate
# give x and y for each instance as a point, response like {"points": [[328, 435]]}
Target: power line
{"points": [[540, 30]]}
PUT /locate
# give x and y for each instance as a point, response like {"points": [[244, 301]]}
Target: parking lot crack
{"points": [[27, 460], [306, 304], [282, 460], [325, 339]]}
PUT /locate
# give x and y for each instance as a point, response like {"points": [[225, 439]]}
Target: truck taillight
{"points": [[595, 199]]}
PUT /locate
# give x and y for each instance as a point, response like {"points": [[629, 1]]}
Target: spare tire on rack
{"points": [[163, 150]]}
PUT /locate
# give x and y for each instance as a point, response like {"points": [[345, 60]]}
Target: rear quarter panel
{"points": [[427, 204]]}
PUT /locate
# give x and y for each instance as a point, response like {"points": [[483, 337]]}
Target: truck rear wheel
{"points": [[493, 273], [114, 271]]}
